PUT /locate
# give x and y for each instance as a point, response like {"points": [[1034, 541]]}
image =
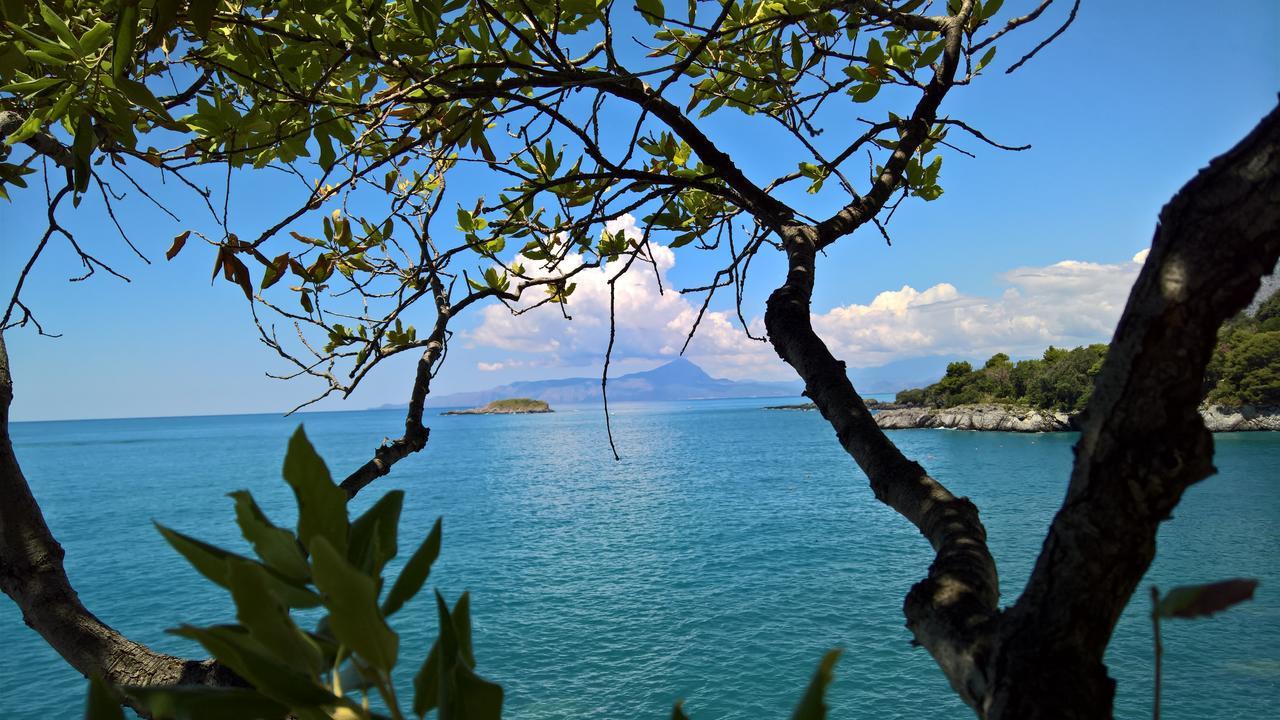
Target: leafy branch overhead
{"points": [[427, 155], [572, 118]]}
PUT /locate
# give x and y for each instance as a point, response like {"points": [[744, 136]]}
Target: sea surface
{"points": [[716, 562]]}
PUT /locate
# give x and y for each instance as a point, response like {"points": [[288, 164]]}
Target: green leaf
{"points": [[901, 56], [102, 703], [864, 93], [875, 53], [682, 154], [931, 54], [191, 702], [986, 58], [415, 572], [811, 706], [200, 13], [29, 127], [352, 600], [214, 563], [238, 650], [322, 505], [141, 95], [268, 621], [95, 37], [652, 10], [1190, 601], [373, 534], [60, 29], [991, 7], [276, 546], [476, 698], [426, 683], [126, 38], [446, 679]]}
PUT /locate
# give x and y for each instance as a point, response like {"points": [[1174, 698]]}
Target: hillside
{"points": [[679, 379]]}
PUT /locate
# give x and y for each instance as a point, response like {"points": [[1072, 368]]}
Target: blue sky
{"points": [[1023, 249]]}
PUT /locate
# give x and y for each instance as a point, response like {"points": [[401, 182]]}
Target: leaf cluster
{"points": [[335, 563]]}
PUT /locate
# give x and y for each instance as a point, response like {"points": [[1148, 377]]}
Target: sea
{"points": [[715, 562]]}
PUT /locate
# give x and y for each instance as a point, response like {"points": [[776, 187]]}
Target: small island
{"points": [[509, 406]]}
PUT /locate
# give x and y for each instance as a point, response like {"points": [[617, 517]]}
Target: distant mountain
{"points": [[679, 379]]}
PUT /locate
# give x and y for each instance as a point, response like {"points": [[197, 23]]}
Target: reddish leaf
{"points": [[1189, 601], [239, 274], [275, 270], [178, 242]]}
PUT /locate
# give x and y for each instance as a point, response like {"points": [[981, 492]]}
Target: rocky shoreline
{"points": [[1012, 418]]}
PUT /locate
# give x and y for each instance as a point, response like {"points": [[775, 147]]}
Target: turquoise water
{"points": [[716, 562]]}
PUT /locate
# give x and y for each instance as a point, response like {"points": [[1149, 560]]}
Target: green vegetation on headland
{"points": [[1245, 367], [1244, 370], [1060, 380], [508, 406]]}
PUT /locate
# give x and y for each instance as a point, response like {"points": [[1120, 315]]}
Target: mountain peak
{"points": [[680, 370]]}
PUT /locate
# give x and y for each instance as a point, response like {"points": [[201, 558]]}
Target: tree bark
{"points": [[1143, 443], [32, 574]]}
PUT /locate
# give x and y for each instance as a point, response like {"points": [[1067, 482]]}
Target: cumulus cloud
{"points": [[650, 323], [1067, 303]]}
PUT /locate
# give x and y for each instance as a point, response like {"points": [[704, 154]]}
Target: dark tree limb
{"points": [[32, 574], [951, 611], [42, 142], [1143, 442]]}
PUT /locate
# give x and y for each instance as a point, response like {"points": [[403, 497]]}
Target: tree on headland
{"points": [[1060, 380], [370, 109]]}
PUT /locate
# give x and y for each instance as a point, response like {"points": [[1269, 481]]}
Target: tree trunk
{"points": [[31, 572], [1142, 444]]}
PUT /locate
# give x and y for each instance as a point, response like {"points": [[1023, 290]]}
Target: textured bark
{"points": [[949, 612], [1143, 441], [32, 574]]}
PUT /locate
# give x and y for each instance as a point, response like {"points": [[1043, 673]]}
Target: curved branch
{"points": [[1143, 442], [32, 574], [861, 210], [950, 612]]}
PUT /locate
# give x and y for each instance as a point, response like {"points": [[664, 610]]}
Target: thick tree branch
{"points": [[1143, 442], [949, 612], [862, 209], [32, 574], [42, 142]]}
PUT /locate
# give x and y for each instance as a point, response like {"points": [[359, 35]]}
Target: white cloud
{"points": [[650, 324], [1067, 303]]}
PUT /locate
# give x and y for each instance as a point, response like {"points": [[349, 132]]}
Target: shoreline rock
{"points": [[511, 406], [986, 417], [1249, 418], [1013, 418]]}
